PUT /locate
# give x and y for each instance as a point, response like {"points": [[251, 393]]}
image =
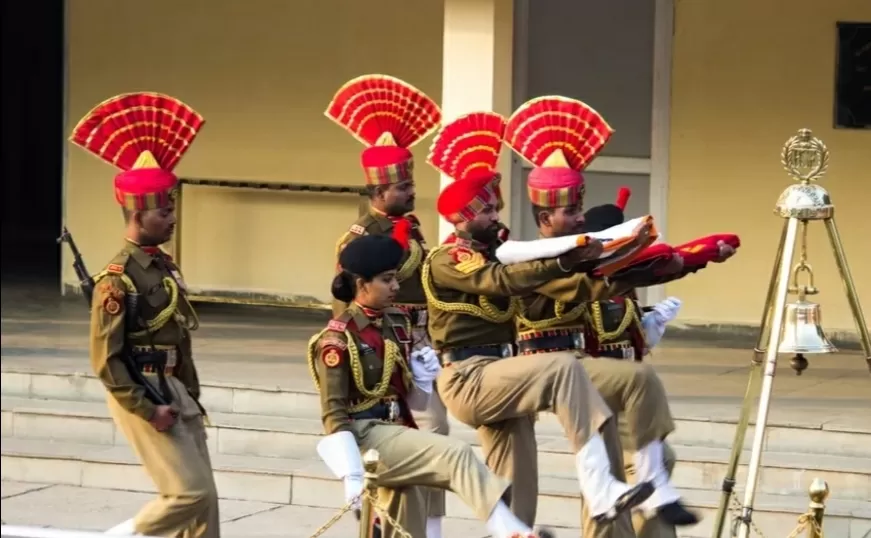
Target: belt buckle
{"points": [[578, 340], [393, 410], [628, 353], [505, 350], [171, 358]]}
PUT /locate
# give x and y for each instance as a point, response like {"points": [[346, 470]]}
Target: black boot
{"points": [[629, 500], [677, 515]]}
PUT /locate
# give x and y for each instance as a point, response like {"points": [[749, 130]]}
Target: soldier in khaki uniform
{"points": [[620, 329], [471, 323], [141, 322], [370, 379], [389, 170], [553, 316]]}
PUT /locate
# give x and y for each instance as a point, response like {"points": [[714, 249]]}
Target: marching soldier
{"points": [[471, 323], [398, 116], [369, 379], [553, 317], [617, 328], [141, 321]]}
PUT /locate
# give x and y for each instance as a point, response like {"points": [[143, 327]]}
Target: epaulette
{"points": [[356, 229], [118, 263], [340, 323]]}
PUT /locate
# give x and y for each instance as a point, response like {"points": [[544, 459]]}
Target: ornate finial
{"points": [[145, 160], [818, 491], [386, 139], [804, 157], [557, 159]]}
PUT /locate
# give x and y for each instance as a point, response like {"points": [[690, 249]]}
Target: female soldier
{"points": [[369, 379]]}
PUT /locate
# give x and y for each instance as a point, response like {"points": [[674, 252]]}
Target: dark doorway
{"points": [[31, 147]]}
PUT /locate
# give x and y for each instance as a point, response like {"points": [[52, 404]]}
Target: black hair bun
{"points": [[342, 287]]}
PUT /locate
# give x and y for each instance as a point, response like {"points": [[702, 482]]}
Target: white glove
{"points": [[425, 367], [341, 454], [667, 310], [654, 328]]}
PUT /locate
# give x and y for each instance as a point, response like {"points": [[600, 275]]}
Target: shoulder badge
{"points": [[467, 260], [337, 325], [331, 357], [357, 229], [115, 268], [113, 298]]}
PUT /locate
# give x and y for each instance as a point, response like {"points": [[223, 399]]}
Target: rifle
{"points": [[86, 281]]}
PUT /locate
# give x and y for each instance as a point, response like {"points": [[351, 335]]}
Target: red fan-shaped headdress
{"points": [[389, 116], [559, 136], [145, 135], [468, 149]]}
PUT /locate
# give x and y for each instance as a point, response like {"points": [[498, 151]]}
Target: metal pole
{"points": [[818, 493], [753, 384], [849, 287], [370, 491], [768, 380]]}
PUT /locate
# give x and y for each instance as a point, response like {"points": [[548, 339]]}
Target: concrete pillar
{"points": [[477, 71]]}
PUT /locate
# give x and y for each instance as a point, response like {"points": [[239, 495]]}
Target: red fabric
{"points": [[705, 249], [378, 156], [456, 196], [372, 336], [401, 231], [143, 181], [623, 198], [554, 178]]}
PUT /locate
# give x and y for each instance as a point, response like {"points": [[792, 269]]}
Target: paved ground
{"points": [[69, 507]]}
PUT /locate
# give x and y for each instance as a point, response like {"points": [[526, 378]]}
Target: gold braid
{"points": [[163, 317], [415, 256], [560, 316], [486, 311], [594, 316], [392, 357]]}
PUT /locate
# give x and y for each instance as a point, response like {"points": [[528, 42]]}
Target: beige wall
{"points": [[262, 73], [746, 76]]}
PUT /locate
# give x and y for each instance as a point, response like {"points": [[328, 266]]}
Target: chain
{"points": [[347, 508], [736, 510], [335, 519]]}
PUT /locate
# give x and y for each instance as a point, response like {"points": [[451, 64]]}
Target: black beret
{"points": [[602, 217], [371, 255]]}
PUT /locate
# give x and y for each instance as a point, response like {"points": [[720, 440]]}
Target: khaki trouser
{"points": [[500, 397], [412, 459], [178, 462], [434, 419], [635, 394]]}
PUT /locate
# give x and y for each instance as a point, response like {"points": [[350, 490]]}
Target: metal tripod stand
{"points": [[806, 159]]}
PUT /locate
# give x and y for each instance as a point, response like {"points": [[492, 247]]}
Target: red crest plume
{"points": [[122, 128], [542, 126], [402, 232], [469, 143], [372, 105], [623, 198]]}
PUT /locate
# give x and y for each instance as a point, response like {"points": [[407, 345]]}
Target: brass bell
{"points": [[803, 331], [802, 324]]}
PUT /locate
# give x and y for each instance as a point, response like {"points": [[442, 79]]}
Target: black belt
{"points": [[390, 411], [554, 342], [462, 353]]}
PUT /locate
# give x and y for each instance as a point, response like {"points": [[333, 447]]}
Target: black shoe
{"points": [[629, 500], [677, 515]]}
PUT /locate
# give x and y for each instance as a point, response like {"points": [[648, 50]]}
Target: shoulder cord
{"points": [[630, 317], [163, 317], [392, 358], [415, 257], [560, 316], [486, 311]]}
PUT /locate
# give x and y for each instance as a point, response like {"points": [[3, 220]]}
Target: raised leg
{"points": [[753, 385]]}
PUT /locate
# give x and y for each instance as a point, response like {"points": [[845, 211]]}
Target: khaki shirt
{"points": [[374, 223], [562, 303], [133, 271], [470, 295], [350, 373]]}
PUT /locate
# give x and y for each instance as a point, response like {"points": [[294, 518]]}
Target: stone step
{"points": [[306, 482], [235, 434], [711, 426]]}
